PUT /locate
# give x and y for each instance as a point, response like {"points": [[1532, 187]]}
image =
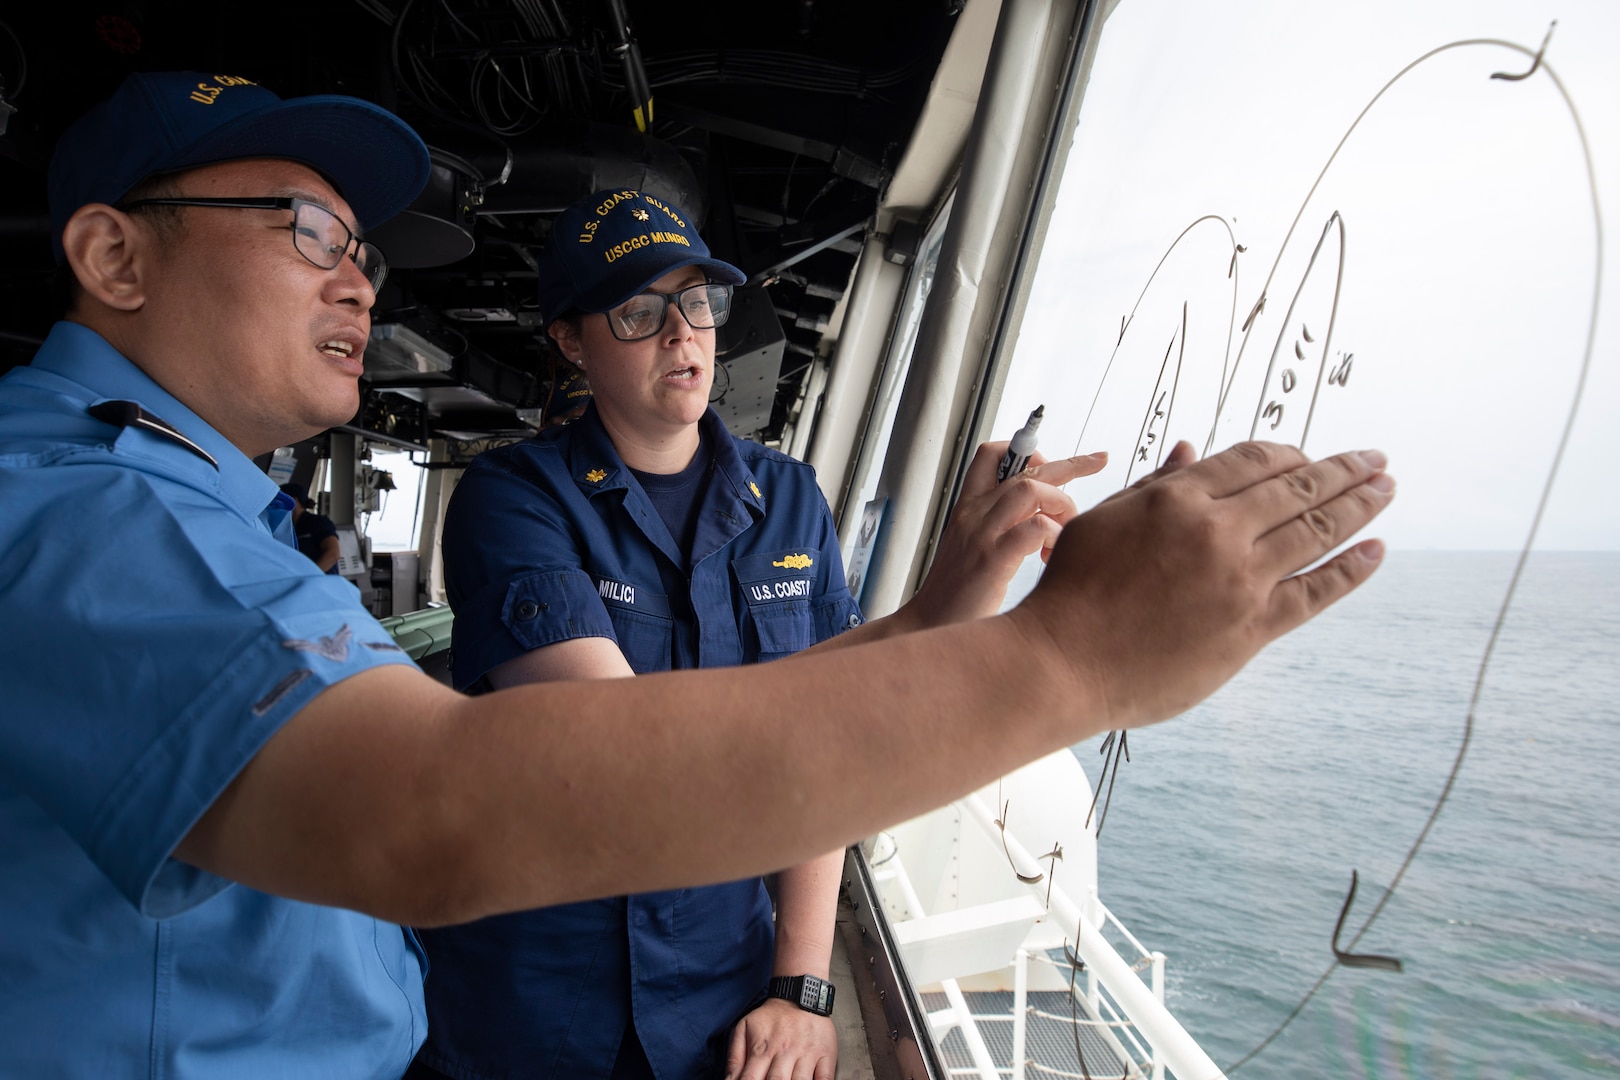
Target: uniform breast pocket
{"points": [[778, 589], [783, 629]]}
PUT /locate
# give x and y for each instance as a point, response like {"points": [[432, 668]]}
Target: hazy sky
{"points": [[1469, 253]]}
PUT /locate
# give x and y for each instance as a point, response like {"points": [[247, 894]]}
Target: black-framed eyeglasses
{"points": [[319, 235], [704, 307]]}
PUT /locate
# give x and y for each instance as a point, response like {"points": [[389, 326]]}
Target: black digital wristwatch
{"points": [[806, 991]]}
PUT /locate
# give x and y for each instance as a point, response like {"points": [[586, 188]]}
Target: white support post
{"points": [[1158, 992], [982, 1061], [896, 871], [438, 485], [959, 317], [1020, 1011], [870, 305]]}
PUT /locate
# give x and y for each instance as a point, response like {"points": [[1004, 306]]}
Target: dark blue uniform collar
{"points": [[593, 461], [595, 465], [734, 499], [730, 466], [82, 356]]}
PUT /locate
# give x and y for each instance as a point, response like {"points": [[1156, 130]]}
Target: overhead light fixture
{"points": [[478, 314], [396, 349]]}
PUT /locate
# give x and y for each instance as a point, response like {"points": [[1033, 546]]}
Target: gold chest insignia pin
{"points": [[795, 562]]}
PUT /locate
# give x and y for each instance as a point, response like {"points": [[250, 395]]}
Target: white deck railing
{"points": [[1123, 1010], [1141, 1004]]}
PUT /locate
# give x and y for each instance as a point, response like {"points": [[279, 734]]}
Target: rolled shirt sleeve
{"points": [[158, 664], [514, 570]]}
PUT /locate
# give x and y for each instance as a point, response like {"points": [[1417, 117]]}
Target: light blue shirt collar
{"points": [[80, 355]]}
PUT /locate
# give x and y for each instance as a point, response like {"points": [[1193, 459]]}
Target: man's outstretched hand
{"points": [[1161, 593]]}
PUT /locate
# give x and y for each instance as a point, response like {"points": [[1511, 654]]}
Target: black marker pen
{"points": [[1021, 447]]}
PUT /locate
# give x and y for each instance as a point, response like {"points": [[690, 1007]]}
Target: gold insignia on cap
{"points": [[795, 562], [596, 476], [640, 215], [755, 489], [207, 92]]}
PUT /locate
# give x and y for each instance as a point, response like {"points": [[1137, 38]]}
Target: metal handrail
{"points": [[1110, 917], [1172, 1046]]}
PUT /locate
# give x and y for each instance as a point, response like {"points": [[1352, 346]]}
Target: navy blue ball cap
{"points": [[609, 247], [162, 122], [300, 493]]}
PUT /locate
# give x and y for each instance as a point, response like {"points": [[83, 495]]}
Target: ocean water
{"points": [[1234, 831]]}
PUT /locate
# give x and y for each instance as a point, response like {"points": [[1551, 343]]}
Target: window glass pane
{"points": [[869, 466], [392, 527], [1433, 299]]}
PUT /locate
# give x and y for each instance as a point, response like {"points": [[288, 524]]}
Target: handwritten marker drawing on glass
{"points": [[1172, 365]]}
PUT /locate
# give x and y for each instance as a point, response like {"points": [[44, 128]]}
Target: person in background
{"points": [[224, 787], [317, 536], [643, 537]]}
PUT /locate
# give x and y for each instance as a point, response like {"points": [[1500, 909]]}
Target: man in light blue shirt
{"points": [[163, 629], [212, 759]]}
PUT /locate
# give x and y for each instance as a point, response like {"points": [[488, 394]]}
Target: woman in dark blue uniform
{"points": [[642, 537]]}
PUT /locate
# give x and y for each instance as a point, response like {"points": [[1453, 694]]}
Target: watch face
{"points": [[808, 992], [815, 995]]}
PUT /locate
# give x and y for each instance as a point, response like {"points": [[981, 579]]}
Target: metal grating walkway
{"points": [[1049, 1044]]}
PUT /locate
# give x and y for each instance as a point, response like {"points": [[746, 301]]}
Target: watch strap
{"points": [[808, 992]]}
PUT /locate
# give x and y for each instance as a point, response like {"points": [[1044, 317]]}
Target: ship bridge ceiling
{"points": [[776, 125]]}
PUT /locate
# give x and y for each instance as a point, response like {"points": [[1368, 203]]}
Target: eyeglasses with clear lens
{"points": [[704, 307], [318, 234]]}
